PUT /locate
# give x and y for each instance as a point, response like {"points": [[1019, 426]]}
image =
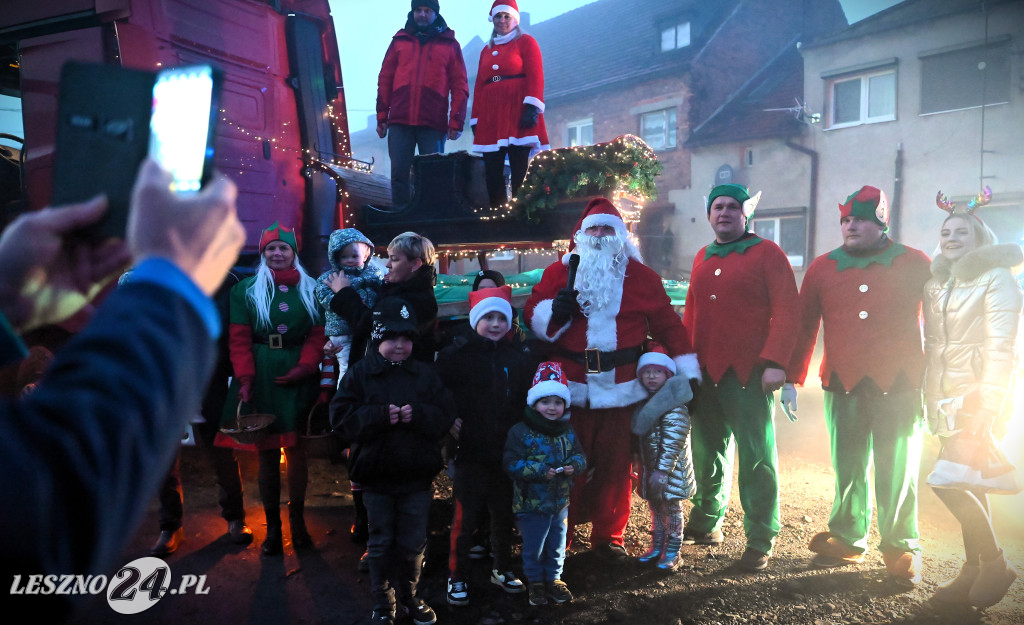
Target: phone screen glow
{"points": [[180, 124]]}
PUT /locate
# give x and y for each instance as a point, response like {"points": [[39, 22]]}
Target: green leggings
{"points": [[885, 429], [722, 413]]}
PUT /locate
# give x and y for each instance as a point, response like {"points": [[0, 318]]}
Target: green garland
{"points": [[626, 164]]}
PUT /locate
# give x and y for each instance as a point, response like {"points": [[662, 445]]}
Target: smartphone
{"points": [[110, 118], [181, 127], [103, 116]]}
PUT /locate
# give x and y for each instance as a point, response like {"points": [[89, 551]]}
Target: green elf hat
{"points": [[278, 232], [867, 203], [737, 192]]}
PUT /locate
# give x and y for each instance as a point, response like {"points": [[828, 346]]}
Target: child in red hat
{"points": [[488, 375], [542, 454]]}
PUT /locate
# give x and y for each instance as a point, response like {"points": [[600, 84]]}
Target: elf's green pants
{"points": [[886, 428], [723, 412]]}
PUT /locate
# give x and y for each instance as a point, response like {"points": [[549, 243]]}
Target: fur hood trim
{"points": [[978, 261], [674, 394]]}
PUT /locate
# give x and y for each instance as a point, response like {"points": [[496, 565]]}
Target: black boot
{"points": [[360, 529], [408, 574], [380, 587], [300, 536], [270, 492]]}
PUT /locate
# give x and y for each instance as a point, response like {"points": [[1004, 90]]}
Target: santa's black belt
{"points": [[597, 361], [501, 78]]}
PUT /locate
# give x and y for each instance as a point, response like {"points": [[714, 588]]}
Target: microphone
{"points": [[574, 264]]}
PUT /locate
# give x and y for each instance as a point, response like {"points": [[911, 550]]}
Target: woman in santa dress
{"points": [[508, 102]]}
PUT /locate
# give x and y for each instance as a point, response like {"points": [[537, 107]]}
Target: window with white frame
{"points": [[862, 99], [788, 231], [675, 36], [580, 132], [965, 78], [658, 129]]}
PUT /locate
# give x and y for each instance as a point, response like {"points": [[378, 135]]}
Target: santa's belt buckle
{"points": [[276, 341], [592, 360], [495, 78]]}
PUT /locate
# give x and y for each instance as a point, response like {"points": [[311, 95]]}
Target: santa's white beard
{"points": [[602, 268]]}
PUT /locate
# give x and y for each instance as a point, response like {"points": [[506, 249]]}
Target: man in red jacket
{"points": [[867, 294], [422, 67], [742, 316], [598, 325]]}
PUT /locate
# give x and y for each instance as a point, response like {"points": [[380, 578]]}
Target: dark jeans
{"points": [[402, 140], [480, 489], [494, 171], [398, 538], [229, 480], [269, 481]]}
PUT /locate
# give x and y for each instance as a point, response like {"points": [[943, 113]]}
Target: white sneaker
{"points": [[458, 593], [507, 581]]}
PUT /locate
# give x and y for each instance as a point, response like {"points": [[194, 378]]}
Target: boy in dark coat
{"points": [[394, 411], [489, 375]]}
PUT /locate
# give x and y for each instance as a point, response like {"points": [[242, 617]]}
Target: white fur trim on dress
{"points": [[490, 304], [503, 8], [659, 359], [688, 365], [541, 318], [534, 101], [532, 140], [547, 388]]}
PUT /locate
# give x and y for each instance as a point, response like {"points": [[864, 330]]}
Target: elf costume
{"points": [[742, 316], [870, 305], [279, 363]]}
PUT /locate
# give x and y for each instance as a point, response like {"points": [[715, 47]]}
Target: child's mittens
{"points": [[656, 484]]}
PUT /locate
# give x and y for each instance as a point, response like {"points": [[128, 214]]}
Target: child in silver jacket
{"points": [[661, 426]]}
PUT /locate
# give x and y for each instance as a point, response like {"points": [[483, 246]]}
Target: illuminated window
{"points": [[580, 132]]}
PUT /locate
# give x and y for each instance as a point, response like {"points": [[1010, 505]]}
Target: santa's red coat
{"points": [[644, 307]]}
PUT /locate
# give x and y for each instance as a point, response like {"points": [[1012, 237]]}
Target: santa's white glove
{"points": [[788, 401]]}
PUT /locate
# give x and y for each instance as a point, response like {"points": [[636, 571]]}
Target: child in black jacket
{"points": [[489, 374], [394, 410]]}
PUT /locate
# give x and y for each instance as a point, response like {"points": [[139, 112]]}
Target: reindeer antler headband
{"points": [[973, 204]]}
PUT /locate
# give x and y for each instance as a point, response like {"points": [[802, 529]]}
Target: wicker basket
{"points": [[249, 429], [317, 440]]}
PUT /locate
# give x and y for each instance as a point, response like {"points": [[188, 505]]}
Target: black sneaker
{"points": [[538, 594], [458, 593], [691, 537], [507, 581], [382, 616], [613, 551], [559, 592], [420, 612]]}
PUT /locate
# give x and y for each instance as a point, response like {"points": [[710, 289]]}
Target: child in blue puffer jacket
{"points": [[541, 456]]}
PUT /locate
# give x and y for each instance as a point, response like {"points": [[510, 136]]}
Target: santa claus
{"points": [[598, 325]]}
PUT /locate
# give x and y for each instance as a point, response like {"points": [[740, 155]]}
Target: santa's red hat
{"points": [[483, 301], [656, 356], [548, 381], [504, 6], [599, 212]]}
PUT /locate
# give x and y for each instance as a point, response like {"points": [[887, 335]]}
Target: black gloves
{"points": [[564, 306], [529, 117]]}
